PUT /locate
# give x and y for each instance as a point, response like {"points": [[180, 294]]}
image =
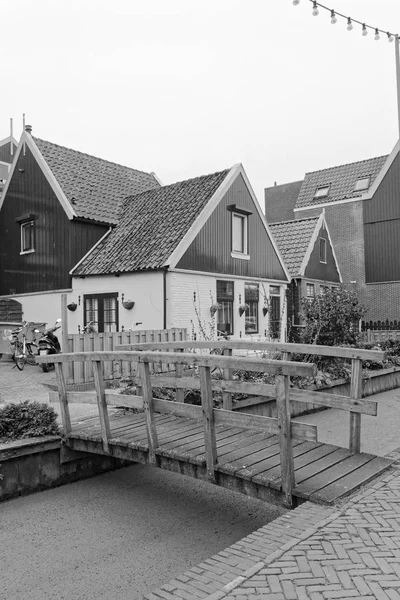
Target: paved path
{"points": [[311, 553]]}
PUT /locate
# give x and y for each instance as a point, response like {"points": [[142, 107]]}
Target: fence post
{"points": [[147, 392], [208, 421], [285, 437], [62, 394], [227, 396], [101, 403], [180, 393], [355, 418]]}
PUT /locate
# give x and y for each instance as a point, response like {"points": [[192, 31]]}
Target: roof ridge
{"points": [[295, 221], [170, 185], [110, 162], [356, 162]]}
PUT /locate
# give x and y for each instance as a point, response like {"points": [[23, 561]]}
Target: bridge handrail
{"points": [[310, 349]]}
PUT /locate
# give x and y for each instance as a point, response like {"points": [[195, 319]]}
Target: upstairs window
{"points": [[322, 191], [251, 315], [362, 184], [225, 296], [322, 250], [239, 234], [27, 237]]}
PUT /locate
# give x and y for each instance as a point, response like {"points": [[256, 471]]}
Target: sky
{"points": [[190, 87]]}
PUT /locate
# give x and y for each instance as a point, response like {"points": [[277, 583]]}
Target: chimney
{"points": [[28, 128]]}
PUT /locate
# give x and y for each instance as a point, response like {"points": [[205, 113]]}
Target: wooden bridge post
{"points": [[355, 418], [208, 421], [148, 405], [227, 396], [62, 394], [285, 437], [101, 403]]}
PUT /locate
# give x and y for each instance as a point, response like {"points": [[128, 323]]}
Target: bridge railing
{"points": [[282, 426]]}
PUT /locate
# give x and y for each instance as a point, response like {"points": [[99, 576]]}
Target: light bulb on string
{"points": [[377, 36], [364, 30], [315, 10], [296, 2], [333, 17], [349, 24], [390, 37]]}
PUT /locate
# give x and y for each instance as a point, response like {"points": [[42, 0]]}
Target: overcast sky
{"points": [[189, 87]]}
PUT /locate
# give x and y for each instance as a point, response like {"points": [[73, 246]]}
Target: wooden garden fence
{"points": [[82, 373]]}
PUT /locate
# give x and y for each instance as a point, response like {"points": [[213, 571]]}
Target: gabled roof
{"points": [[293, 239], [151, 226], [86, 186], [280, 201], [341, 180]]}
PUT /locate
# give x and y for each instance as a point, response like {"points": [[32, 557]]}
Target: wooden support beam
{"points": [[62, 395], [148, 405], [285, 437], [180, 392], [355, 418], [101, 403], [227, 396], [208, 421]]}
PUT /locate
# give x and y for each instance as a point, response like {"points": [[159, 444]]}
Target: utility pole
{"points": [[397, 50]]}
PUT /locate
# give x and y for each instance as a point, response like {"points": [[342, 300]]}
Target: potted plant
{"points": [[243, 308], [214, 307]]}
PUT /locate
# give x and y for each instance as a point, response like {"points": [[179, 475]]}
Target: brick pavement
{"points": [[311, 553]]}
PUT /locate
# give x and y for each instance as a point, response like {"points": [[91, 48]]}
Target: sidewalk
{"points": [[311, 553]]}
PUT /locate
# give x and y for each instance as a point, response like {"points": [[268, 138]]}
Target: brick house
{"points": [[306, 248], [195, 254], [362, 212]]}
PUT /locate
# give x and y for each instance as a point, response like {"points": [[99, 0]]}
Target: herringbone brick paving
{"points": [[311, 553]]}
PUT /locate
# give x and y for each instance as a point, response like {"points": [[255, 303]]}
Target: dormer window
{"points": [[362, 184], [322, 191]]}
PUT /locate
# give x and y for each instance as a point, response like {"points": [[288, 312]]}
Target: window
{"points": [[239, 234], [27, 237], [275, 311], [322, 250], [310, 290], [322, 289], [322, 191], [225, 298], [102, 311], [362, 184], [251, 315]]}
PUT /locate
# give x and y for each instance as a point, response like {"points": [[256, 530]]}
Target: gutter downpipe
{"points": [[165, 297]]}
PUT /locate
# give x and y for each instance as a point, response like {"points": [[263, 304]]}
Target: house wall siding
{"points": [[319, 270], [5, 153], [59, 242], [211, 249]]}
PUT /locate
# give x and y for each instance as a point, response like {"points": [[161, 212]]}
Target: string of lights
{"points": [[350, 21]]}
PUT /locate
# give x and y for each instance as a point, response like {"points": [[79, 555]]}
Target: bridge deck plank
{"points": [[323, 473]]}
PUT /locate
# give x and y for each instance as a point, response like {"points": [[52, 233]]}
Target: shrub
{"points": [[27, 419], [332, 319]]}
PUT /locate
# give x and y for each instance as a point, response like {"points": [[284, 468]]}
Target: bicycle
{"points": [[21, 350]]}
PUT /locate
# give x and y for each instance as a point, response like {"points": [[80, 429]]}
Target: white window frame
{"points": [[310, 286], [30, 223], [243, 242]]}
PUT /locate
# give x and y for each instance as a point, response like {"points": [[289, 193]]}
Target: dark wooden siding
{"points": [[59, 242], [382, 229], [318, 270], [5, 153], [382, 251], [211, 249]]}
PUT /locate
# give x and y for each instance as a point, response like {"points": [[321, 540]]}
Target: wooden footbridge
{"points": [[270, 458]]}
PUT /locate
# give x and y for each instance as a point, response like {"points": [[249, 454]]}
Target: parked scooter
{"points": [[49, 344]]}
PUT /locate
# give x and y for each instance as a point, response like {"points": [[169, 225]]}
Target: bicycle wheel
{"points": [[19, 356], [30, 356]]}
